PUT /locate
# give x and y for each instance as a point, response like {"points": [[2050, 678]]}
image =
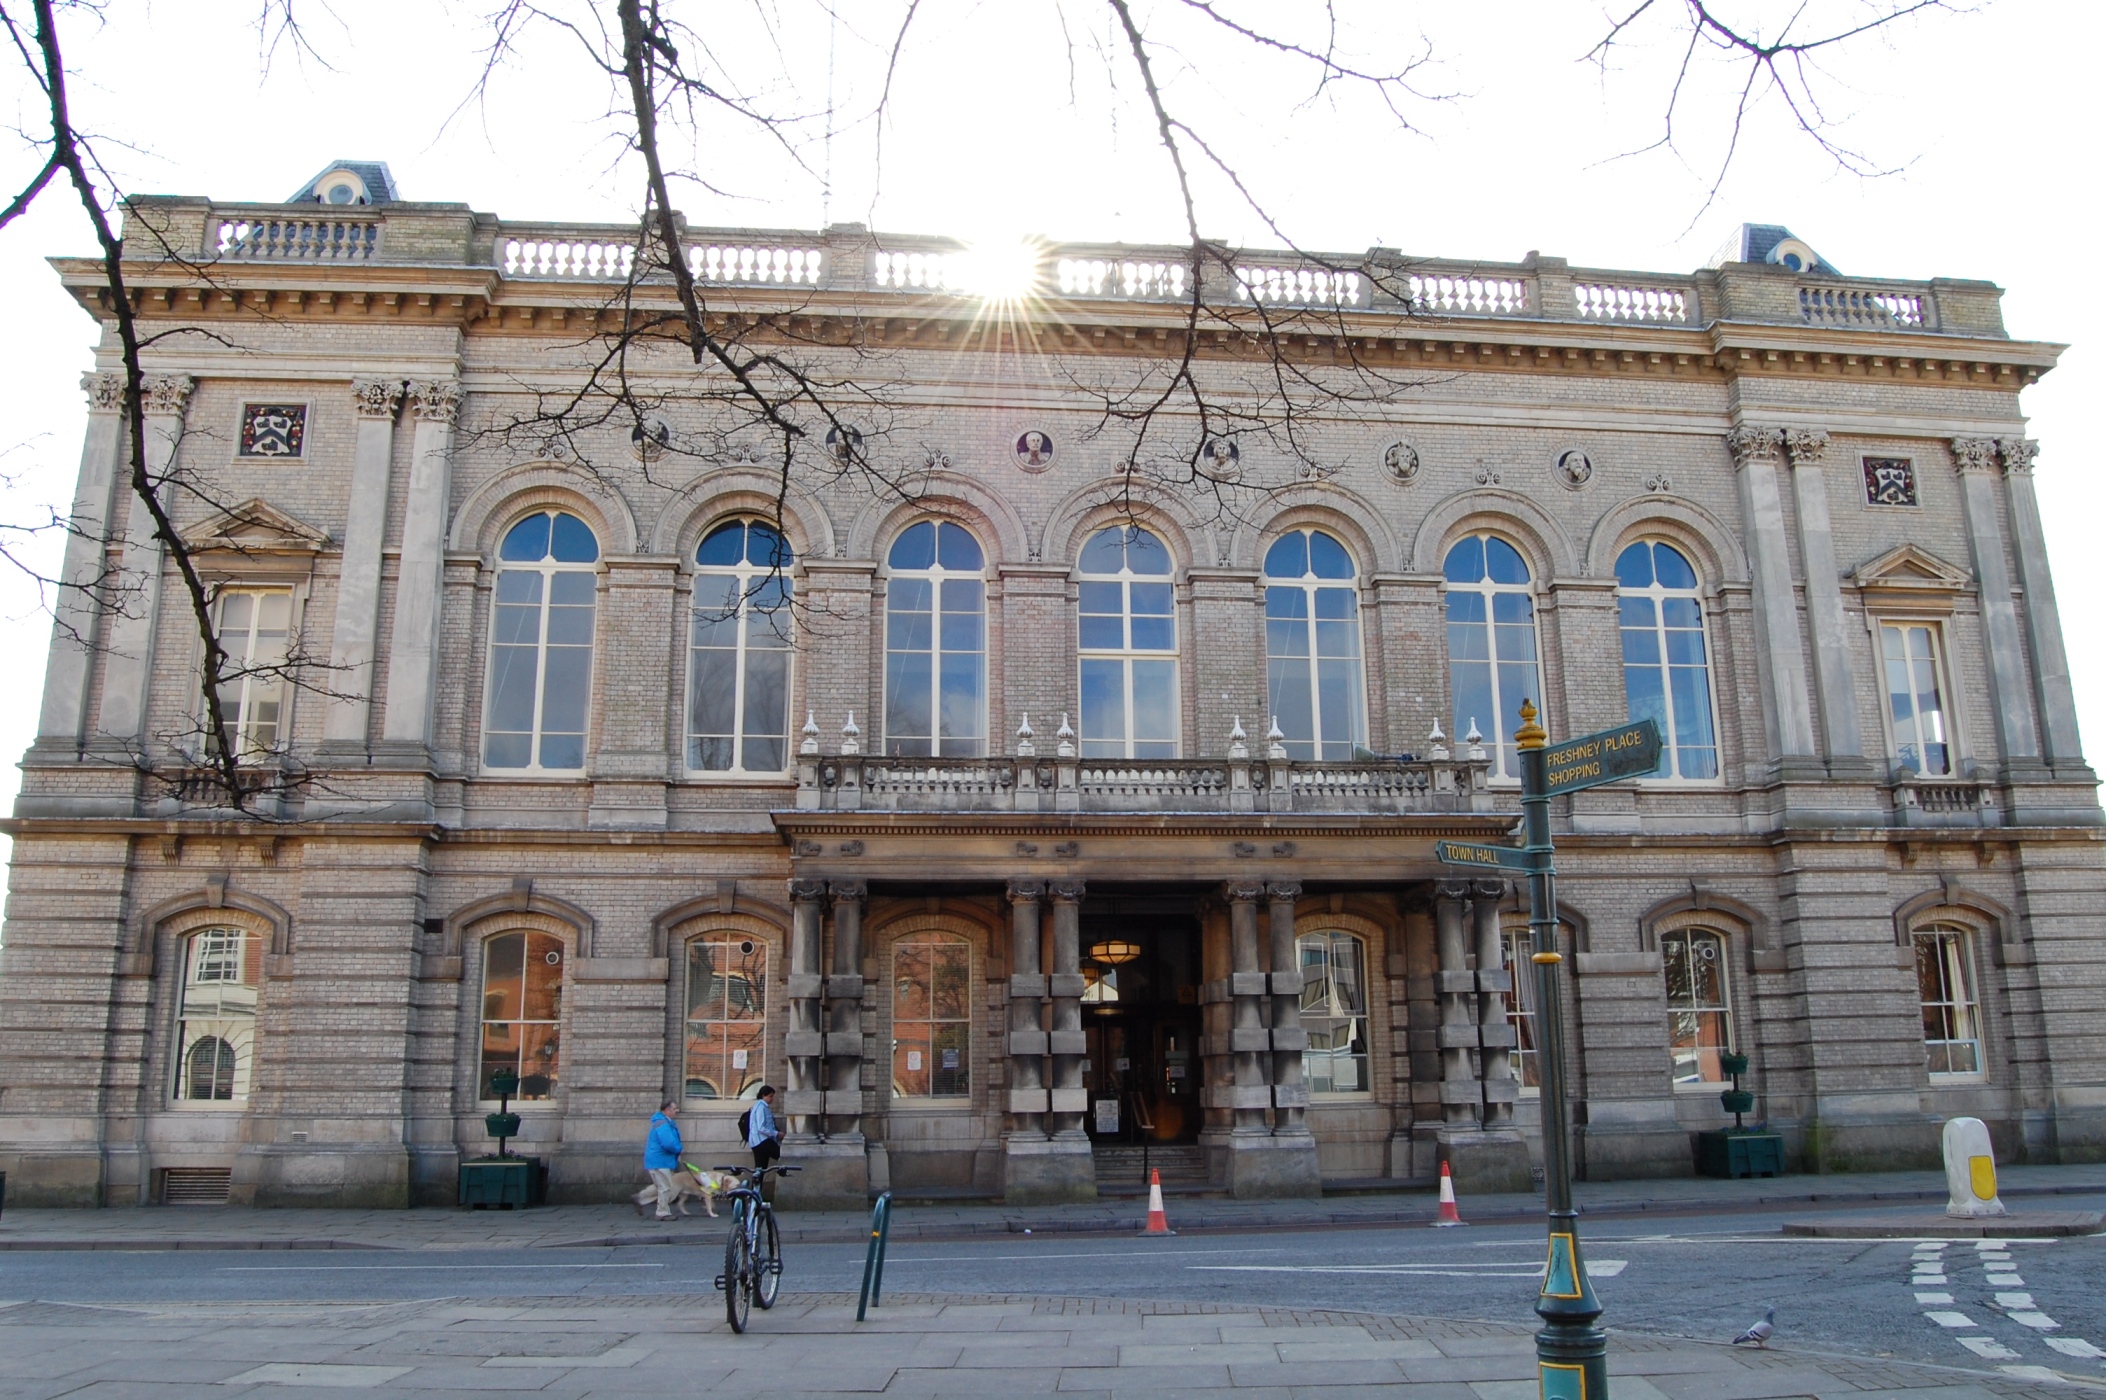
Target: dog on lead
{"points": [[693, 1183]]}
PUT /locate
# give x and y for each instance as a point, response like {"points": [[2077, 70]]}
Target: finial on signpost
{"points": [[1530, 735]]}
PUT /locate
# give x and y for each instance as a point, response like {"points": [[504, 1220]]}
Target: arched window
{"points": [[541, 645], [935, 643], [738, 700], [522, 1009], [1334, 1012], [1699, 1014], [1952, 1017], [727, 1015], [1666, 668], [1491, 643], [1312, 646], [1127, 636], [216, 1025], [931, 1017]]}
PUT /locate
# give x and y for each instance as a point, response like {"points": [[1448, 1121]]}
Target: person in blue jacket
{"points": [[661, 1155], [763, 1134]]}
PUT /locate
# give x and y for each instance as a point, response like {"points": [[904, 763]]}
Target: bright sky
{"points": [[1001, 127]]}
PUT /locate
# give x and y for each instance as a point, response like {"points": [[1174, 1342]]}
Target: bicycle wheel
{"points": [[767, 1262], [738, 1277]]}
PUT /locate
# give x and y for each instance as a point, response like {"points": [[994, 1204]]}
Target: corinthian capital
{"points": [[804, 891], [1243, 891], [1806, 446], [1750, 443], [166, 394], [1023, 891], [848, 891], [1971, 455], [1283, 891], [377, 398], [105, 391], [2018, 455], [1067, 891], [435, 400]]}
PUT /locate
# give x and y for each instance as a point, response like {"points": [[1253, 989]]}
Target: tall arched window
{"points": [[1312, 646], [1952, 1016], [1516, 948], [931, 1016], [738, 704], [1126, 625], [1699, 1014], [522, 1012], [1491, 643], [541, 645], [216, 1023], [1666, 667], [1334, 1012], [727, 1015], [935, 643]]}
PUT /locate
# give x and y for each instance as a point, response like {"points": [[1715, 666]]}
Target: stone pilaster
{"points": [[1834, 681], [62, 725], [2058, 704], [844, 1004], [1460, 1096], [1068, 1100], [1290, 1095], [1027, 1033], [1780, 660], [1045, 1154], [831, 1149], [127, 671], [803, 1099], [1252, 1095], [413, 645], [354, 632], [1495, 1034], [2010, 696]]}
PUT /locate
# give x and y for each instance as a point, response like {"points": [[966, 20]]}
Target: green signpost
{"points": [[1572, 1354]]}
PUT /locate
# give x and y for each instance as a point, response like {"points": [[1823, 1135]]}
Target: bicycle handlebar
{"points": [[757, 1174]]}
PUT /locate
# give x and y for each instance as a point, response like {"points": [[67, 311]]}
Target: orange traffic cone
{"points": [[1448, 1211], [1158, 1223]]}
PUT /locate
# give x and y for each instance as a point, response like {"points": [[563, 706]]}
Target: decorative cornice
{"points": [[435, 400], [1806, 446], [167, 394], [1974, 455], [2018, 455], [1750, 443], [377, 398], [105, 391]]}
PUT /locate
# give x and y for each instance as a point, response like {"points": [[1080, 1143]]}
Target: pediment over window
{"points": [[1910, 576], [256, 528]]}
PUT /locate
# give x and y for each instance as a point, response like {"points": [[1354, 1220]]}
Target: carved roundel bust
{"points": [[1401, 461], [1574, 468], [1034, 450], [844, 446], [649, 437], [1222, 460]]}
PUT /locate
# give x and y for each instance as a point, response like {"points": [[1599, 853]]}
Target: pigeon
{"points": [[1759, 1334]]}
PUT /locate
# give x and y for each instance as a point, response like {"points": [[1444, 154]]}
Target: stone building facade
{"points": [[1047, 807]]}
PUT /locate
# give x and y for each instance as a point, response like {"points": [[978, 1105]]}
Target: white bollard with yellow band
{"points": [[1970, 1170]]}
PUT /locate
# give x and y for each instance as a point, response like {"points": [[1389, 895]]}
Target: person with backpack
{"points": [[758, 1128], [661, 1157]]}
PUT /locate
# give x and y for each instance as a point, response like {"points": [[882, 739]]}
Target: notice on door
{"points": [[913, 1061], [1107, 1116]]}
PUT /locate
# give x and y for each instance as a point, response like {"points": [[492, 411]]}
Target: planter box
{"points": [[1731, 1154], [502, 1183]]}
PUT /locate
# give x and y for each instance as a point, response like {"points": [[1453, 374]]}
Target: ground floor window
{"points": [[1952, 1018], [1516, 946], [522, 1008], [1334, 1012], [727, 1016], [1699, 1017], [931, 1017], [216, 1022]]}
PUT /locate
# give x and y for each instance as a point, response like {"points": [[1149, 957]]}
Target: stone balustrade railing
{"points": [[850, 259], [1226, 786]]}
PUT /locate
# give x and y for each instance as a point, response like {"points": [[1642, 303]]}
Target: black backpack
{"points": [[745, 1125]]}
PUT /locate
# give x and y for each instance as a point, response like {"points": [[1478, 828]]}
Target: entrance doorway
{"points": [[1140, 1020]]}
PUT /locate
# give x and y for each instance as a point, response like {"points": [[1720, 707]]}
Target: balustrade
{"points": [[336, 239], [1129, 280], [1853, 306], [1612, 301], [1300, 286], [1449, 295]]}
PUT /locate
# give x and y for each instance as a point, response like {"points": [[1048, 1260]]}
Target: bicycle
{"points": [[753, 1255]]}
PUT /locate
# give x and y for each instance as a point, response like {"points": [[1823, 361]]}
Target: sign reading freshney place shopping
{"points": [[1468, 853], [1627, 751]]}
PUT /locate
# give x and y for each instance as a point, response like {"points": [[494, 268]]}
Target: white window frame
{"points": [[1941, 668], [548, 567], [1517, 946], [1658, 593], [745, 573], [238, 714], [1724, 1007], [1500, 739], [1366, 1016], [935, 938], [936, 576], [1309, 585], [756, 1068], [1128, 654], [238, 1030], [1961, 941], [559, 1023]]}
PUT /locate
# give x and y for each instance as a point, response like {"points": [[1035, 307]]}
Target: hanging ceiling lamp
{"points": [[1114, 951]]}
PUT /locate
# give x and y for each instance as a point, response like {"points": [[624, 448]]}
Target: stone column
{"points": [[1460, 1096], [413, 645], [1786, 710], [2058, 705], [1247, 989], [62, 726], [1495, 1034], [1834, 681], [844, 1003], [355, 630], [803, 1097], [127, 671], [1068, 1100], [1027, 1032], [2010, 697], [1290, 1096]]}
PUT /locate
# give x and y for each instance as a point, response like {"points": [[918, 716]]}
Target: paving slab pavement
{"points": [[228, 1227], [1936, 1225], [918, 1346]]}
